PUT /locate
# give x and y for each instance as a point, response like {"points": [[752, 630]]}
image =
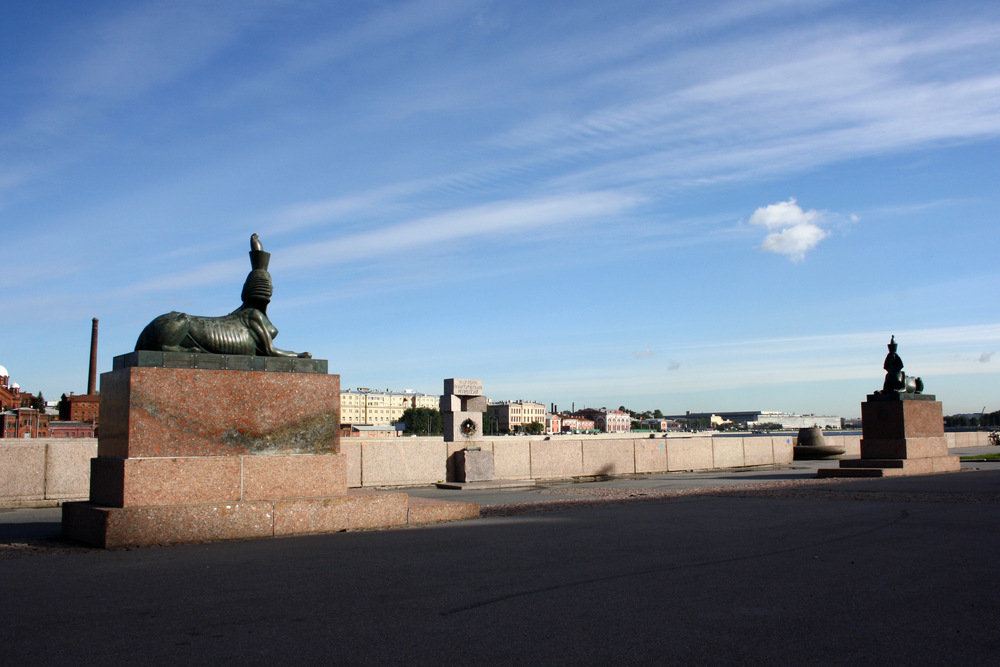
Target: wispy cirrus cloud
{"points": [[495, 219], [806, 97], [491, 219]]}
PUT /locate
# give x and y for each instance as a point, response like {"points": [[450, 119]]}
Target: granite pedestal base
{"points": [[902, 434], [118, 527], [192, 454], [474, 466]]}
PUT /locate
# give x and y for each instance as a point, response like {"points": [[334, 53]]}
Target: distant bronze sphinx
{"points": [[896, 381], [246, 330]]}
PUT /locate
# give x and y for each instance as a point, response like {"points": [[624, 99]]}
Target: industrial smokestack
{"points": [[92, 378]]}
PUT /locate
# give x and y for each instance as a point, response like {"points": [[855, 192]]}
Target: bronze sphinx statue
{"points": [[246, 330], [896, 381]]}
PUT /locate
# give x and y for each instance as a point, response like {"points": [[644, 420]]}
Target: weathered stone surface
{"points": [[356, 511], [165, 481], [453, 426], [22, 470], [512, 458], [689, 454], [460, 387], [450, 403], [300, 476], [215, 479], [351, 449], [783, 447], [475, 404], [903, 448], [727, 452], [67, 468], [116, 527], [150, 412], [474, 466], [553, 459], [651, 455], [402, 462], [758, 450], [425, 510], [852, 445], [901, 419], [608, 457]]}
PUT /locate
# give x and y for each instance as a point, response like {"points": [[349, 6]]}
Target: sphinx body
{"points": [[243, 331], [246, 330]]}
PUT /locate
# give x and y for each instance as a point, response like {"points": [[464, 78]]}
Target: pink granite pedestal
{"points": [[902, 434], [189, 455]]}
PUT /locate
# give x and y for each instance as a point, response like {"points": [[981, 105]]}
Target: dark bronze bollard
{"points": [[811, 446]]}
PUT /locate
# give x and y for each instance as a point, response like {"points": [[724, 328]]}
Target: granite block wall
{"points": [[608, 457], [403, 462], [45, 471]]}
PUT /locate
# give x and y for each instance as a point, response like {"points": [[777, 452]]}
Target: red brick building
{"points": [[83, 408], [24, 423], [71, 430], [10, 394], [607, 421], [574, 423]]}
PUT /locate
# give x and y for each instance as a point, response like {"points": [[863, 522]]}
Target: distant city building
{"points": [[754, 418], [375, 407], [553, 423], [571, 423], [368, 431], [512, 416], [607, 421], [83, 408], [24, 423], [59, 429], [10, 392], [663, 425]]}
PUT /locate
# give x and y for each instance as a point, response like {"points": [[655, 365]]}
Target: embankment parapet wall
{"points": [[44, 472]]}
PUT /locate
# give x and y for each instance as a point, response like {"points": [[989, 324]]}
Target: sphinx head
{"points": [[257, 289]]}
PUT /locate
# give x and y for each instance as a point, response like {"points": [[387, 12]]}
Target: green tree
{"points": [[767, 427], [657, 414], [39, 403], [490, 425], [534, 428], [423, 421]]}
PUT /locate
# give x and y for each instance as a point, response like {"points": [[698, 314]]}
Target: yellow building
{"points": [[510, 415], [375, 407]]}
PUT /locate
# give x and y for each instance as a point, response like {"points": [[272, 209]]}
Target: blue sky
{"points": [[686, 206]]}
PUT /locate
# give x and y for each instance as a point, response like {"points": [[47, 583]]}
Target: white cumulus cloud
{"points": [[792, 230]]}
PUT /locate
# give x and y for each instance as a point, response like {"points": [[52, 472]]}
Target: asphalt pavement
{"points": [[896, 571]]}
